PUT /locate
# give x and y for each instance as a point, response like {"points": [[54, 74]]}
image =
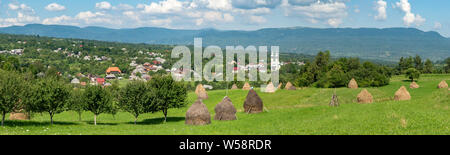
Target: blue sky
{"points": [[230, 14]]}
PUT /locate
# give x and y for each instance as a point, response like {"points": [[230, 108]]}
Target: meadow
{"points": [[304, 111]]}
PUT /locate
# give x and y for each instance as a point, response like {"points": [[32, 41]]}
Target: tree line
{"points": [[52, 95]]}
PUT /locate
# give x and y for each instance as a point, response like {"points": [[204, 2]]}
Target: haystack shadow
{"points": [[13, 123], [154, 121]]}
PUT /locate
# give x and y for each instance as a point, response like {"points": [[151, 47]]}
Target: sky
{"points": [[425, 15]]}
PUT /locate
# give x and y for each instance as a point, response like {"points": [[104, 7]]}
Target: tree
{"points": [[98, 100], [134, 98], [412, 74], [428, 66], [447, 67], [11, 88], [76, 102], [48, 95], [167, 94], [418, 64]]}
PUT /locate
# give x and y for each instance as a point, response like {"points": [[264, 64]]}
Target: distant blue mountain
{"points": [[369, 43]]}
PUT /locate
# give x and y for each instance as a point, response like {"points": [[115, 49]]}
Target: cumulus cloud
{"points": [[103, 5], [381, 9], [24, 15], [55, 7], [331, 13], [163, 7], [252, 4], [437, 25], [409, 18]]}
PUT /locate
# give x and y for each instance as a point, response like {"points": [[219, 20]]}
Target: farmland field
{"points": [[301, 112]]}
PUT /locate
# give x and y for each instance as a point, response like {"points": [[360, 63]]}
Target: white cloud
{"points": [[65, 20], [257, 19], [24, 15], [103, 5], [437, 25], [409, 18], [331, 13], [219, 4], [13, 6], [381, 9], [55, 7], [163, 7]]}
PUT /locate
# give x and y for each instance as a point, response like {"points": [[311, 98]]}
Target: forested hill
{"points": [[367, 43]]}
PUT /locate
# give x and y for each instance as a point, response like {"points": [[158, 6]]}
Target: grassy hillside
{"points": [[303, 111]]}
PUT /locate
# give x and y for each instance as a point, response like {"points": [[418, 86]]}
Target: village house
{"points": [[113, 70]]}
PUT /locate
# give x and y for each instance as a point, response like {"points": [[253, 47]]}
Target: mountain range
{"points": [[368, 43]]}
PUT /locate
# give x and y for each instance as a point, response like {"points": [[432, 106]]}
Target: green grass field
{"points": [[304, 111]]}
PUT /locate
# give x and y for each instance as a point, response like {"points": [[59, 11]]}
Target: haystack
{"points": [[246, 86], [201, 92], [19, 115], [234, 87], [443, 84], [288, 85], [253, 103], [198, 114], [270, 88], [402, 94], [279, 85], [353, 84], [414, 85], [225, 110], [365, 97], [334, 100], [199, 88]]}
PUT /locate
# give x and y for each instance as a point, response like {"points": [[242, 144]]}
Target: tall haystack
{"points": [[443, 84], [201, 92], [353, 84], [334, 101], [402, 94], [270, 88], [253, 103], [279, 85], [246, 86], [365, 97], [199, 88], [225, 110], [414, 85], [198, 114], [234, 87]]}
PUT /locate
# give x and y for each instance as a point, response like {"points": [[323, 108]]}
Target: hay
{"points": [[270, 88], [201, 92], [246, 86], [198, 114], [414, 85], [199, 88], [364, 97], [225, 110], [289, 86], [253, 103], [334, 101], [353, 84], [234, 87], [19, 115], [443, 84], [402, 94]]}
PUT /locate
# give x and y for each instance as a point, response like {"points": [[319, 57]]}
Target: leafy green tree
{"points": [[412, 74], [337, 77], [48, 95], [167, 94], [418, 64], [447, 63], [11, 88], [76, 102], [98, 100], [428, 66], [134, 98]]}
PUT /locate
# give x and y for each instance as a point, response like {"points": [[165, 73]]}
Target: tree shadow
{"points": [[154, 121], [35, 123], [100, 123], [408, 81]]}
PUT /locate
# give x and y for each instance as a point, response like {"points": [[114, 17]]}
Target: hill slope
{"points": [[370, 43]]}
